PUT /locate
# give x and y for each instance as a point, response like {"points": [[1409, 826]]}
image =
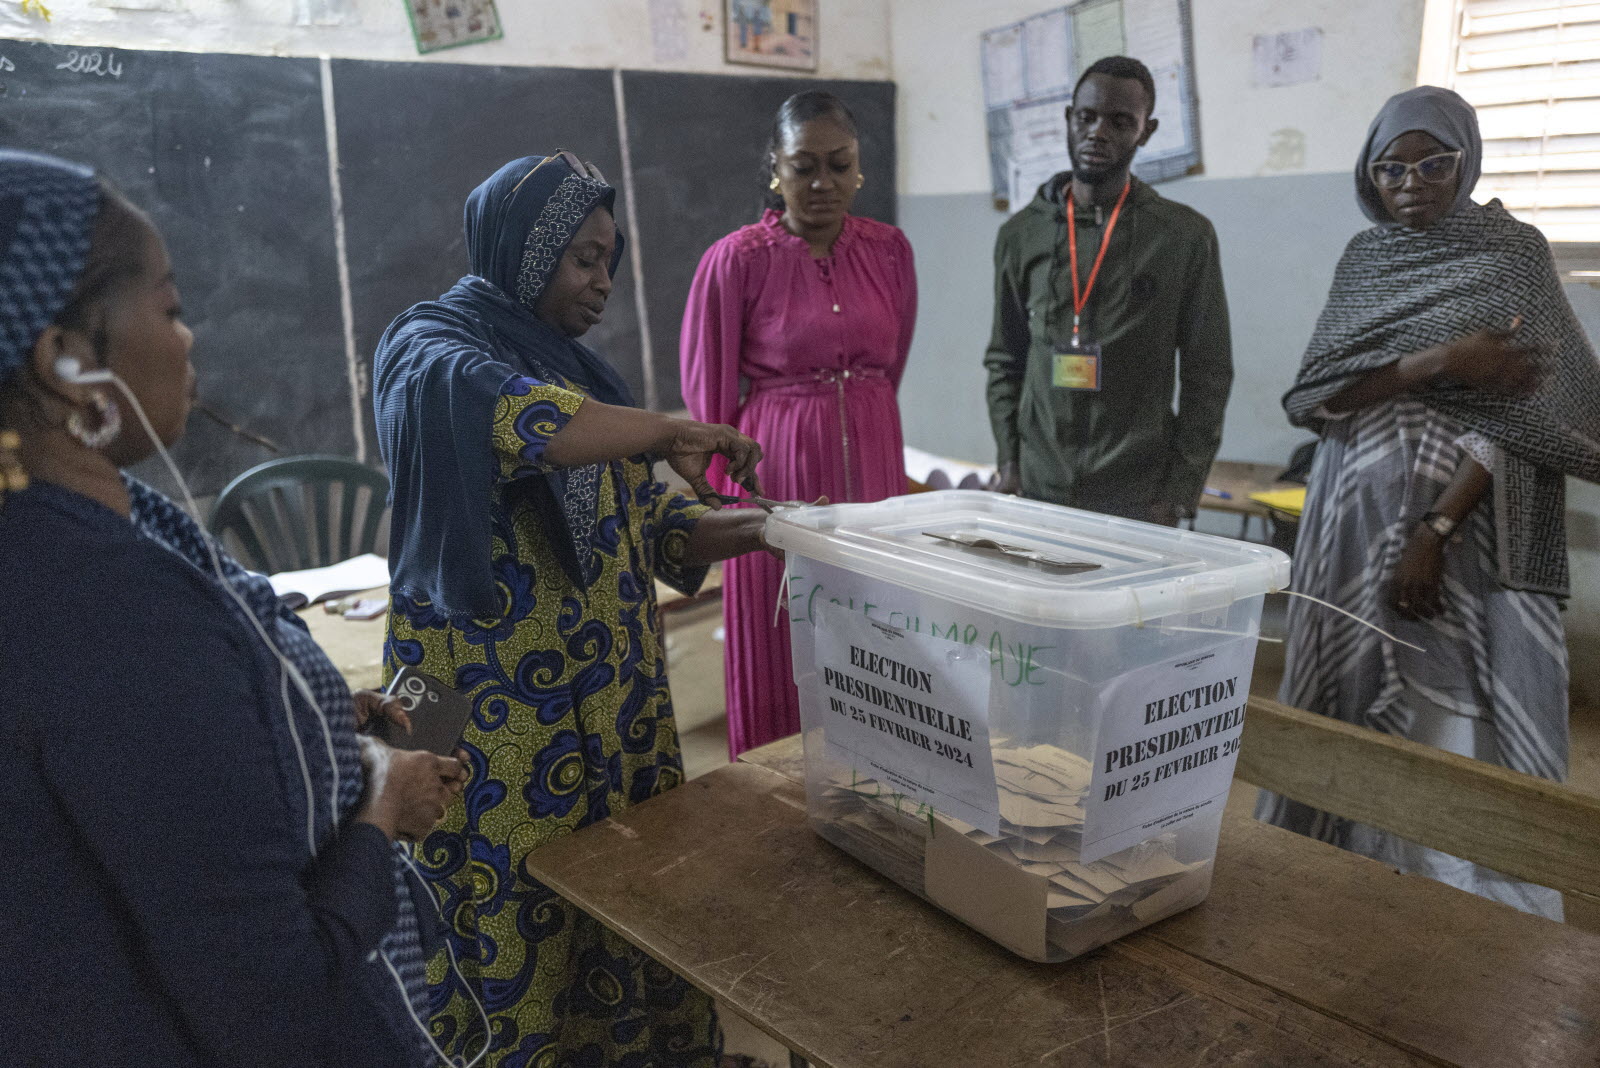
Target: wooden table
{"points": [[1303, 955], [1239, 480], [356, 646]]}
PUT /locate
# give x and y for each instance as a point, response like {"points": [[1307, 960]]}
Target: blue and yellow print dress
{"points": [[572, 724]]}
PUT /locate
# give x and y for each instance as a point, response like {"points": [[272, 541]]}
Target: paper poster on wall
{"points": [[669, 31], [1004, 63], [1037, 61], [321, 12], [910, 712], [441, 24], [1169, 738], [1292, 58], [1047, 48], [1038, 146], [1097, 31], [1172, 115], [1028, 73]]}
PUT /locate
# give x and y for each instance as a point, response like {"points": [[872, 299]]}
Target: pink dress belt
{"points": [[826, 376]]}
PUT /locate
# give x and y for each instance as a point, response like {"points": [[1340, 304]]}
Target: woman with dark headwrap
{"points": [[1454, 391], [199, 871], [528, 532]]}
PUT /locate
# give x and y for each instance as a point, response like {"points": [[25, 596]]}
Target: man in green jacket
{"points": [[1083, 370]]}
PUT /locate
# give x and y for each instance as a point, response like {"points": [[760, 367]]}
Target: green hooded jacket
{"points": [[1159, 314]]}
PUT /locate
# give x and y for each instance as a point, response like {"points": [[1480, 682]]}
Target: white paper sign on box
{"points": [[1168, 741], [910, 711]]}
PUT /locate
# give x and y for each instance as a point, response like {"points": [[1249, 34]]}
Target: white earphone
{"points": [[70, 368]]}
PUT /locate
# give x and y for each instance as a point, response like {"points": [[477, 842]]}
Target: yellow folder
{"points": [[1289, 501]]}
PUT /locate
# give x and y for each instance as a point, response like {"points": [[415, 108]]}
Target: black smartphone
{"points": [[438, 714]]}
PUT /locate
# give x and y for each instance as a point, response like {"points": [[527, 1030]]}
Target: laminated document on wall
{"points": [[1030, 67], [1158, 34]]}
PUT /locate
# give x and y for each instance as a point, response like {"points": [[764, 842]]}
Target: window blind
{"points": [[1532, 69]]}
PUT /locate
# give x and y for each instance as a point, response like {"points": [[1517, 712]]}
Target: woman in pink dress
{"points": [[810, 311]]}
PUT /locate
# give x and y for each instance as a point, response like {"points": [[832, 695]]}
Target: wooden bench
{"points": [[1526, 827]]}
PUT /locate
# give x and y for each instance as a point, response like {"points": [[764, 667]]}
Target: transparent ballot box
{"points": [[1026, 714]]}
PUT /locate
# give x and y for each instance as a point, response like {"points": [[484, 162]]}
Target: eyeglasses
{"points": [[577, 166], [1391, 173], [580, 168]]}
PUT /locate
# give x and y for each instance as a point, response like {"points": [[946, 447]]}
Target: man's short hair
{"points": [[1122, 67]]}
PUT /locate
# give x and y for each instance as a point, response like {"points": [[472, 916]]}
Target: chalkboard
{"points": [[227, 155], [698, 144], [416, 138]]}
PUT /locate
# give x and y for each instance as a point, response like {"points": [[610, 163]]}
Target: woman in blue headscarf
{"points": [[528, 532], [1454, 392]]}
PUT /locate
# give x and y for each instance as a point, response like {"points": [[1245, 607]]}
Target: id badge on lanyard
{"points": [[1076, 365], [1079, 364]]}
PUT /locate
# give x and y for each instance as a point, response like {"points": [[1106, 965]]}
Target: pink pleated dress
{"points": [[805, 356]]}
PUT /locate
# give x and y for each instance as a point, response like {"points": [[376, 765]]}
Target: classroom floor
{"points": [[694, 658]]}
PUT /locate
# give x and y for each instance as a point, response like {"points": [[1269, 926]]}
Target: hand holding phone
{"points": [[435, 714]]}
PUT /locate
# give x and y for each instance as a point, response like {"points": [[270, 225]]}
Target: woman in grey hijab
{"points": [[1453, 391]]}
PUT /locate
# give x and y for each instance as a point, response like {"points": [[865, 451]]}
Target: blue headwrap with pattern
{"points": [[439, 372], [47, 212]]}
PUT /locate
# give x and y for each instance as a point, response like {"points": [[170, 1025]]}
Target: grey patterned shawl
{"points": [[1398, 291]]}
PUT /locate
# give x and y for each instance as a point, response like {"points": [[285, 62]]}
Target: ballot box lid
{"points": [[1030, 561]]}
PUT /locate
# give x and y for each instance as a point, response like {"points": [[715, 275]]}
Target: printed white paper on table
{"points": [[1169, 738], [300, 588], [1287, 58], [909, 712]]}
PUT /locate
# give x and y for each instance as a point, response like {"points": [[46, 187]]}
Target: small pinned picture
{"points": [[440, 24], [772, 33]]}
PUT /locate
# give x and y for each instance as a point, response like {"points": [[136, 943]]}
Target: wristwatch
{"points": [[1441, 525]]}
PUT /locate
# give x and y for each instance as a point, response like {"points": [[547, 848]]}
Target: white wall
{"points": [[1369, 52], [853, 34]]}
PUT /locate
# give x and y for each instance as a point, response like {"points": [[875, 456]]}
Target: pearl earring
{"points": [[861, 180], [773, 185]]}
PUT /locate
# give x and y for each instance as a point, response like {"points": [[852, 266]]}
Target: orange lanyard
{"points": [[1080, 301]]}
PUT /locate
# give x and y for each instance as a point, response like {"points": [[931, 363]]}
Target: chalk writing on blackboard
{"points": [[6, 64], [101, 63]]}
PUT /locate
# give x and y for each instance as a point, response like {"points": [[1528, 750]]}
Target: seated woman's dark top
{"points": [[160, 903]]}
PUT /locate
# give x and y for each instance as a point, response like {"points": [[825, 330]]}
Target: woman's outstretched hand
{"points": [[690, 446], [599, 433]]}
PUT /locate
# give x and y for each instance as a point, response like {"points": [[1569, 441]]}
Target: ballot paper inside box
{"points": [[1042, 751]]}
